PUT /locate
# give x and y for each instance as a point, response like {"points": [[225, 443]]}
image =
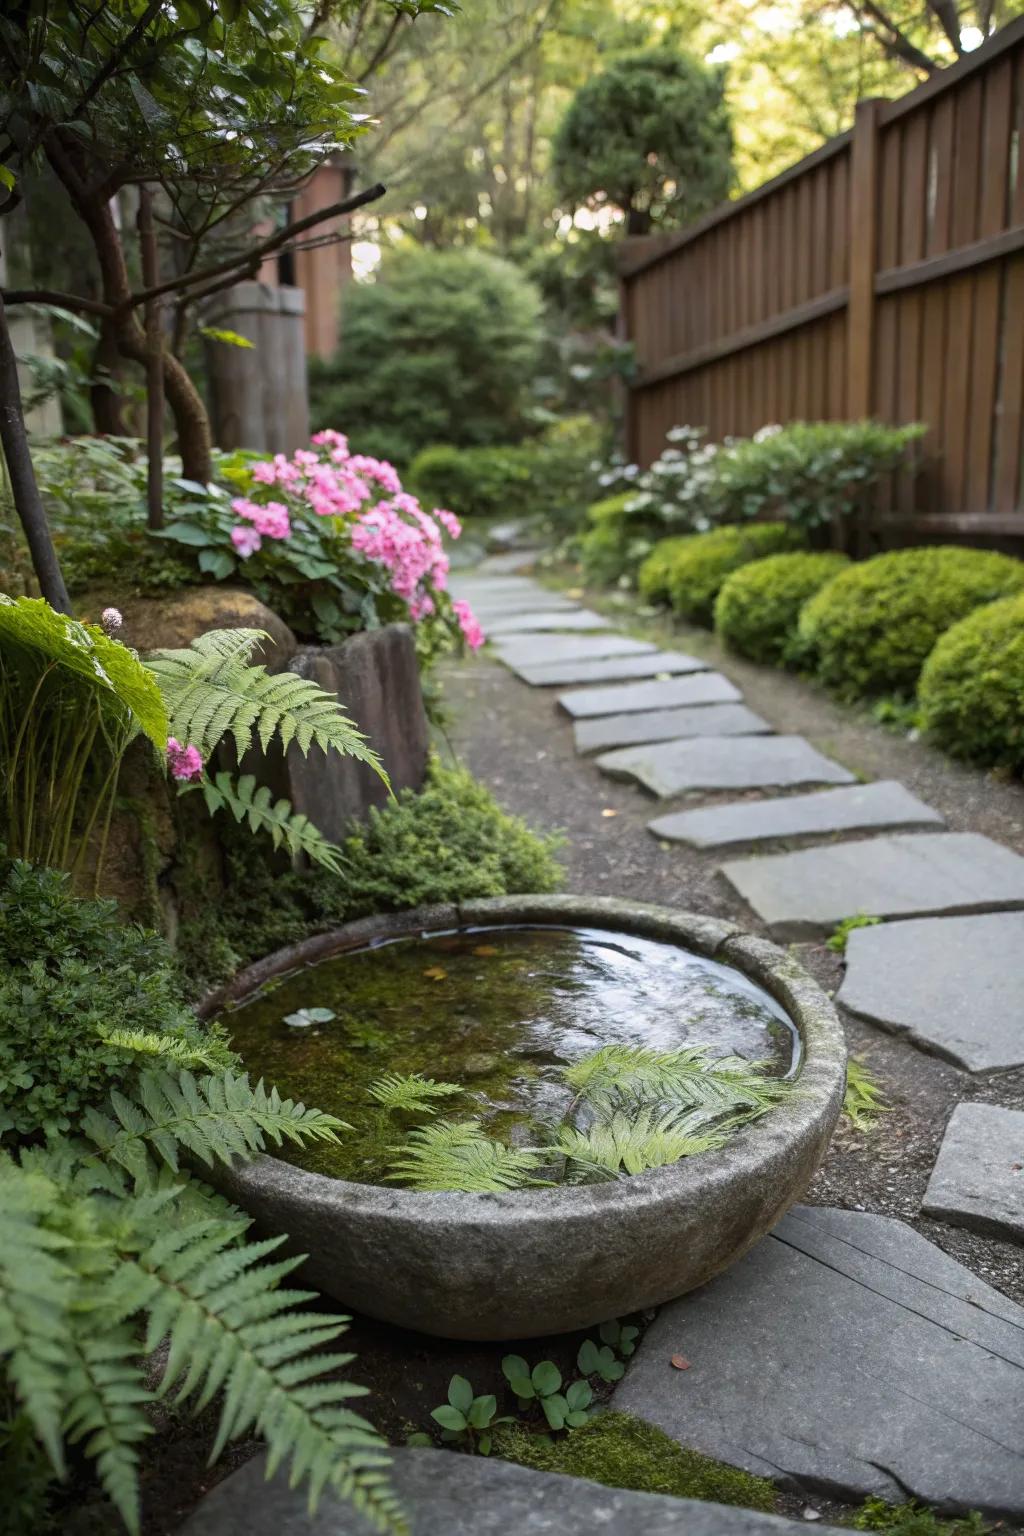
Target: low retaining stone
{"points": [[746, 762], [667, 725], [846, 1354], [448, 1494], [857, 808], [564, 674], [703, 687], [953, 985], [978, 1179]]}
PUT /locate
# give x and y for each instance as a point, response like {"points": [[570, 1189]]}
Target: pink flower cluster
{"points": [[185, 763], [385, 524]]}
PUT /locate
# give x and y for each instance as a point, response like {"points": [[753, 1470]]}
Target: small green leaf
{"points": [[514, 1368], [216, 562], [460, 1394], [484, 1444], [574, 1420], [546, 1378], [588, 1358], [556, 1410], [184, 533], [7, 177], [609, 1333], [449, 1418], [482, 1411], [579, 1395], [419, 1437]]}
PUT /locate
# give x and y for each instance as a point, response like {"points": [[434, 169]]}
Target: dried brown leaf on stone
{"points": [[680, 1362]]}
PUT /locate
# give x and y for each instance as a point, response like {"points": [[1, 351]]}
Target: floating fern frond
{"points": [[624, 1144], [216, 1118], [618, 1076], [256, 805], [458, 1155], [412, 1092], [211, 691]]}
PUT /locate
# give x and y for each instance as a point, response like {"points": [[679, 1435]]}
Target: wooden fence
{"points": [[881, 276]]}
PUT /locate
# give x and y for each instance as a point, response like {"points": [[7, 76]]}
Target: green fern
{"points": [[211, 692], [617, 1076], [623, 1145], [864, 1097], [458, 1155], [256, 805], [411, 1092], [172, 1051]]}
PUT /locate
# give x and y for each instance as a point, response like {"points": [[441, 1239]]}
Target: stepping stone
{"points": [[549, 650], [978, 1180], [667, 725], [806, 893], [953, 985], [448, 1494], [671, 693], [525, 623], [708, 763], [510, 561], [860, 807], [609, 670], [846, 1352], [490, 610]]}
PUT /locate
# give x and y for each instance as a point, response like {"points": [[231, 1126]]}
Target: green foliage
{"points": [[618, 1451], [441, 348], [864, 1098], [695, 571], [838, 938], [872, 627], [622, 1144], [650, 134], [972, 687], [411, 1092], [655, 573], [467, 1420], [629, 1076], [915, 1519], [616, 1335], [458, 1155], [617, 540], [543, 1385], [757, 610], [595, 1359], [84, 998], [808, 472], [549, 476], [254, 804]]}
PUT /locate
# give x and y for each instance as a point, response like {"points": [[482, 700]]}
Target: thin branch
{"points": [[897, 44], [382, 50], [72, 301]]}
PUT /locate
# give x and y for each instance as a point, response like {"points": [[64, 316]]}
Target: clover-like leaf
{"points": [[460, 1394], [482, 1411], [546, 1378], [449, 1418]]}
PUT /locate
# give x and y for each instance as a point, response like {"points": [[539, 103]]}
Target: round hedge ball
{"points": [[695, 570], [873, 625], [758, 609], [972, 686]]}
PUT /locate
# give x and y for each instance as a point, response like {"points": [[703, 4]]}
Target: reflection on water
{"points": [[498, 1010]]}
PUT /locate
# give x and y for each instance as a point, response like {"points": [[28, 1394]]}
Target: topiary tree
{"points": [[441, 349], [758, 608], [972, 686], [651, 136], [693, 570]]}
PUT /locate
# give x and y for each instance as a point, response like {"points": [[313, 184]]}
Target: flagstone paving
{"points": [[744, 762], [520, 651], [978, 1179], [911, 875], [613, 669], [667, 725], [845, 1353], [954, 985], [857, 808], [703, 687], [527, 623]]}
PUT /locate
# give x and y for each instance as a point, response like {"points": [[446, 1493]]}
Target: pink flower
{"points": [[111, 618], [468, 623], [185, 763], [246, 540], [449, 521], [264, 473]]}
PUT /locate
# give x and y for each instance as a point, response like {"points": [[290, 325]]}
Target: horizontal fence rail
{"points": [[881, 276]]}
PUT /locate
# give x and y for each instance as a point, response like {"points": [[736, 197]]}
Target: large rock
{"points": [[375, 675], [173, 622], [447, 1494], [846, 1354]]}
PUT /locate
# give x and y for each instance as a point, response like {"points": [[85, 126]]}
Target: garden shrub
{"points": [[550, 476], [619, 1451], [873, 625], [972, 686], [652, 579], [615, 542], [441, 348], [758, 609], [74, 977], [696, 570]]}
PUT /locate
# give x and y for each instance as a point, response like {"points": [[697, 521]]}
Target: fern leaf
{"points": [[458, 1155], [412, 1092], [618, 1075], [171, 1050], [256, 806], [215, 1118], [625, 1145], [105, 1412], [211, 691]]}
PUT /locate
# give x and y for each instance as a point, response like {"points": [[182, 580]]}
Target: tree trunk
{"points": [[107, 408], [24, 489], [154, 365]]}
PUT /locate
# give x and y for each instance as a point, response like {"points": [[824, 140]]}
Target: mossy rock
{"points": [[694, 572], [757, 612], [873, 625], [619, 1451], [972, 686]]}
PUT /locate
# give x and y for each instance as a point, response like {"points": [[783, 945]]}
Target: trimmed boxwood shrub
{"points": [[696, 570], [758, 609], [653, 576], [873, 625], [972, 686]]}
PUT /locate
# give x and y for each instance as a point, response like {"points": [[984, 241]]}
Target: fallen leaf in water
{"points": [[436, 973], [680, 1362], [485, 949], [609, 812]]}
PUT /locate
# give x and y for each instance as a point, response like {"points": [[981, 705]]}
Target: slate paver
{"points": [[846, 1351], [953, 985], [712, 763], [447, 1494], [978, 1178], [854, 808], [703, 687], [611, 669], [550, 650], [910, 875], [608, 731], [528, 623]]}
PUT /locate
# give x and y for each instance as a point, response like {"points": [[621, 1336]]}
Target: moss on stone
{"points": [[619, 1451]]}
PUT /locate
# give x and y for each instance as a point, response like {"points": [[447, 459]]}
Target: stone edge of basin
{"points": [[713, 1210]]}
